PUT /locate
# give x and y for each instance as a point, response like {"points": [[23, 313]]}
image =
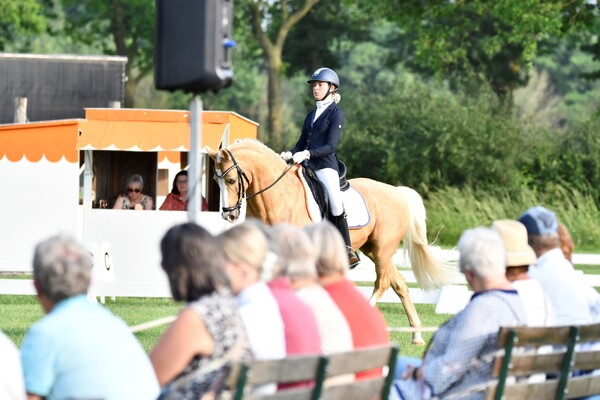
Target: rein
{"points": [[241, 186]]}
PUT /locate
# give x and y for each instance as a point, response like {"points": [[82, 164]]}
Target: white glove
{"points": [[285, 155], [301, 156]]}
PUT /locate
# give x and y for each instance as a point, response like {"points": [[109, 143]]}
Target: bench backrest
{"points": [[564, 349], [317, 369]]}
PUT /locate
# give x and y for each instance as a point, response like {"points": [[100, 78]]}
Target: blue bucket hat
{"points": [[539, 221]]}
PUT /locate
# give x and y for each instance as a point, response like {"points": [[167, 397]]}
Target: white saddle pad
{"points": [[354, 204]]}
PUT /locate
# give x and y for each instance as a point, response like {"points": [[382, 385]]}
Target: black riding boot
{"points": [[342, 225]]}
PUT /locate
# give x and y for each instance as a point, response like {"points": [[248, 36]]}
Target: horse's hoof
{"points": [[417, 339]]}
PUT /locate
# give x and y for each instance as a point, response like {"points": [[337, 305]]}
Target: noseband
{"points": [[242, 185]]}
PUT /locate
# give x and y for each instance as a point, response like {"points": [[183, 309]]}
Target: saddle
{"points": [[318, 189]]}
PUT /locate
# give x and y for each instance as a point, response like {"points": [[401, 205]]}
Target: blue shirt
{"points": [[81, 350]]}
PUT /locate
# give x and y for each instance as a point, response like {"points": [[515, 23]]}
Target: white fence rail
{"points": [[449, 299]]}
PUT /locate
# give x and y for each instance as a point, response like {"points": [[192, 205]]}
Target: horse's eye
{"points": [[230, 181]]}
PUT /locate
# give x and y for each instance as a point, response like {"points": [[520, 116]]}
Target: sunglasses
{"points": [[133, 190]]}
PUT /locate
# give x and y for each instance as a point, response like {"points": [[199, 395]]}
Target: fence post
{"points": [[20, 110]]}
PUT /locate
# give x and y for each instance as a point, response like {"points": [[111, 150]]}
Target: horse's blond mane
{"points": [[253, 142]]}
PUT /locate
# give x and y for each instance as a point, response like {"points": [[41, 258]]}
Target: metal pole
{"points": [[195, 159]]}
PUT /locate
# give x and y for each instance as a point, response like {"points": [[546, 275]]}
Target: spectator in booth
{"points": [[193, 356], [178, 198], [134, 198], [11, 374], [79, 350], [457, 361], [519, 256], [246, 247], [367, 324], [575, 302]]}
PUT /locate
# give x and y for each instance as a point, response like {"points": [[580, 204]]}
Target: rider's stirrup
{"points": [[353, 258]]}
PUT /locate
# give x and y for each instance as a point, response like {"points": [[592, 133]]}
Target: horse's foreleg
{"points": [[388, 275]]}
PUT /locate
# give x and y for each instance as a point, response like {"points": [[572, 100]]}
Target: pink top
{"points": [[299, 323], [174, 202], [366, 322]]}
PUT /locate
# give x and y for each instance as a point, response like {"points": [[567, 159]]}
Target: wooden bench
{"points": [[570, 350], [315, 370]]}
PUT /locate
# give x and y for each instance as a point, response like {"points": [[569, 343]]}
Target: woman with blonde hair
{"points": [[246, 247]]}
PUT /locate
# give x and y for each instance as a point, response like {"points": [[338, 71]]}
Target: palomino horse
{"points": [[249, 169]]}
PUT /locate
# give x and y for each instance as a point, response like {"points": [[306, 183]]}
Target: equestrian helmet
{"points": [[325, 75]]}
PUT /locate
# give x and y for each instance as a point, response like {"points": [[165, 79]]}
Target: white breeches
{"points": [[331, 180]]}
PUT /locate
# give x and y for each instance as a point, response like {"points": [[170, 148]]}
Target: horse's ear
{"points": [[211, 153]]}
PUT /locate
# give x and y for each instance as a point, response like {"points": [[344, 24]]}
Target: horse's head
{"points": [[232, 181]]}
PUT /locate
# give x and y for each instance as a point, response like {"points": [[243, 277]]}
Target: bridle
{"points": [[242, 185]]}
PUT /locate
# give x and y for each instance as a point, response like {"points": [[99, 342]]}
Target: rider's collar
{"points": [[325, 103]]}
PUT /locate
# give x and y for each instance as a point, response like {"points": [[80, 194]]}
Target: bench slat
{"points": [[315, 369], [358, 360], [526, 364], [289, 369], [577, 387], [363, 390]]}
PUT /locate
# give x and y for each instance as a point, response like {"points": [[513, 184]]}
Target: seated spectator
{"points": [[519, 256], [79, 350], [296, 255], [134, 199], [574, 301], [178, 198], [193, 356], [566, 242], [296, 260], [11, 374], [367, 324], [245, 247], [458, 359], [299, 322]]}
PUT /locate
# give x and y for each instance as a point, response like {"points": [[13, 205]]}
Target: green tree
{"points": [[18, 19], [130, 26], [479, 39], [271, 24]]}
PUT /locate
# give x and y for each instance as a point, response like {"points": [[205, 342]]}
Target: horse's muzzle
{"points": [[231, 216]]}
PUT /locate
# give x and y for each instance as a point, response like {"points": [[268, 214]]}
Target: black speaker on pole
{"points": [[193, 45]]}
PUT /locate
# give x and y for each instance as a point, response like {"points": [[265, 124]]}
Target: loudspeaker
{"points": [[193, 45]]}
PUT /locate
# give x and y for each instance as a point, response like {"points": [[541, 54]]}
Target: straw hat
{"points": [[514, 236]]}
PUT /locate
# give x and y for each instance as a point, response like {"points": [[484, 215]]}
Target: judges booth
{"points": [[64, 176]]}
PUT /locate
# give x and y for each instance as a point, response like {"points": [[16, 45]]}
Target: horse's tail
{"points": [[429, 271]]}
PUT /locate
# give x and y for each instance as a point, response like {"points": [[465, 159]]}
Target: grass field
{"points": [[17, 313]]}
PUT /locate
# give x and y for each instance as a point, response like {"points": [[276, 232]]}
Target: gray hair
{"points": [[135, 178], [330, 248], [245, 243], [295, 251], [482, 252], [62, 267]]}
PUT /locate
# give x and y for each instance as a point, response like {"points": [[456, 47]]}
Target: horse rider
{"points": [[316, 147]]}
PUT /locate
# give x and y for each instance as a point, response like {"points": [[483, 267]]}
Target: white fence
{"points": [[450, 299]]}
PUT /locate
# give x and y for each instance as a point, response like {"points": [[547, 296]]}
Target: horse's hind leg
{"points": [[388, 275]]}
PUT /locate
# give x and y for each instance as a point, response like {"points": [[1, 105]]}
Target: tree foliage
{"points": [[20, 18], [129, 24], [478, 39]]}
